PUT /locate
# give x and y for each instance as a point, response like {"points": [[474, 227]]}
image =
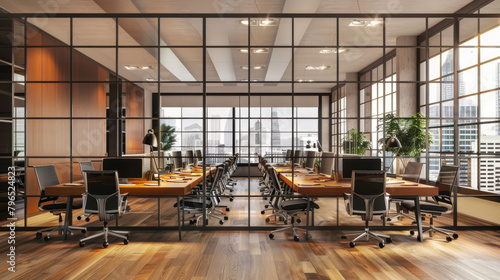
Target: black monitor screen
{"points": [[350, 164], [326, 163], [128, 168]]}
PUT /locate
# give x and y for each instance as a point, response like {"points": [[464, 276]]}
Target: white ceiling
{"points": [[224, 64]]}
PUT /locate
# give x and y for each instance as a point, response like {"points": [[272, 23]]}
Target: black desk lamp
{"points": [[152, 142], [391, 143]]}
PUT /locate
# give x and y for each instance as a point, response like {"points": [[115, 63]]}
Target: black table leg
{"points": [[418, 219], [307, 218], [179, 217], [68, 220]]}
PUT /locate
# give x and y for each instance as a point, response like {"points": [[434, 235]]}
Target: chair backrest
{"points": [[368, 193], [177, 159], [296, 156], [189, 157], [275, 184], [103, 193], [447, 183], [46, 175], [197, 155], [412, 171], [86, 166]]}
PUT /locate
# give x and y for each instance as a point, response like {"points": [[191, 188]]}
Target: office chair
{"points": [[367, 198], [443, 203], [102, 197], [288, 209], [288, 155], [198, 158], [47, 176], [297, 157], [85, 166], [412, 174]]}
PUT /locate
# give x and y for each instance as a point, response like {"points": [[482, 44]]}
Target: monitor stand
{"points": [[124, 181]]}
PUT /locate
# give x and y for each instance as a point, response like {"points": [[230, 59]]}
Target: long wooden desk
{"points": [[139, 188], [313, 185]]}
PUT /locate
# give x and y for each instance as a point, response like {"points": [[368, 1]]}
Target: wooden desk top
{"points": [[318, 187], [139, 189]]}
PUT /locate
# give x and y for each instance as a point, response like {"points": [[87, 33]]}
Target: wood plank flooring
{"points": [[252, 255]]}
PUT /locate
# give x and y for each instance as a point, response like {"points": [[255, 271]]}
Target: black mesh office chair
{"points": [[368, 198], [297, 157], [47, 176], [197, 156], [442, 204], [85, 166], [288, 155], [412, 174], [102, 197], [287, 208]]}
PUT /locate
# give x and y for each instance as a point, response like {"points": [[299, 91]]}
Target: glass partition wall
{"points": [[84, 89]]}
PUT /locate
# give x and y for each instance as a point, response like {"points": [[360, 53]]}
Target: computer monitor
{"points": [[128, 168], [288, 155], [189, 157], [177, 159], [350, 164], [310, 159], [197, 156], [326, 167], [297, 157]]}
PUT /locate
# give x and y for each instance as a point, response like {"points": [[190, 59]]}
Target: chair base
{"points": [[59, 229], [292, 228], [450, 234], [106, 232], [381, 238]]}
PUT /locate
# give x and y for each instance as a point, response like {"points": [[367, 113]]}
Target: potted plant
{"points": [[411, 133], [167, 137], [355, 143]]}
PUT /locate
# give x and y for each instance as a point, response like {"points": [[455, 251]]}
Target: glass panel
{"points": [[490, 75], [490, 104], [361, 31], [467, 81], [468, 53], [138, 32], [181, 31], [320, 32], [94, 31], [227, 31]]}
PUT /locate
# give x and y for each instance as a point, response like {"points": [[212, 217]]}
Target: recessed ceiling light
{"points": [[256, 67], [246, 80], [358, 22], [255, 50], [136, 67], [253, 22], [319, 67], [334, 50], [268, 22], [305, 81]]}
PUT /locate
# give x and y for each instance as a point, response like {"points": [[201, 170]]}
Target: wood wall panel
{"points": [[135, 130]]}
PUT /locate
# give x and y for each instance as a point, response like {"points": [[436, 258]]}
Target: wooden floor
{"points": [[252, 255]]}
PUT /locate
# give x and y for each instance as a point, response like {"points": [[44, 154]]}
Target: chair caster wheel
{"points": [[221, 222], [226, 218], [382, 217], [388, 240], [125, 241], [412, 232], [389, 219], [206, 222], [286, 222], [381, 245], [105, 244], [192, 222], [265, 198], [46, 238], [38, 235], [231, 199], [84, 230], [267, 206], [449, 238], [268, 220], [271, 236], [87, 219], [296, 239], [343, 237], [263, 212], [78, 218], [455, 236], [81, 243], [227, 209], [309, 236], [352, 244], [298, 221]]}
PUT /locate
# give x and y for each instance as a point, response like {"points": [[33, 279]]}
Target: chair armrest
{"points": [[347, 200], [123, 203]]}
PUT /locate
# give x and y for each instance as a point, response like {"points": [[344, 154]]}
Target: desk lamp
{"points": [[152, 142], [391, 143]]}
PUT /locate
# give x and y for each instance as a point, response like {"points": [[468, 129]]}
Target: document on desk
{"points": [[394, 182], [176, 181], [73, 184]]}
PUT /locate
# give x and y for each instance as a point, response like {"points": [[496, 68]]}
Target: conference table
{"points": [[172, 185], [313, 185]]}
